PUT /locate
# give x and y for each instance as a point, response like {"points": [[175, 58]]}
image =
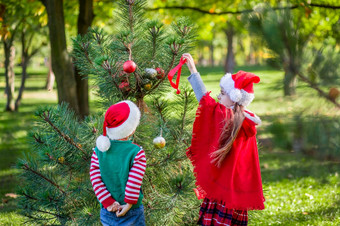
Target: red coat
{"points": [[238, 181]]}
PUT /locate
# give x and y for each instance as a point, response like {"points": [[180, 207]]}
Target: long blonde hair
{"points": [[228, 135]]}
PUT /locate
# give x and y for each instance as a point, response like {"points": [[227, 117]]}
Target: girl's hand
{"points": [[113, 207], [190, 62], [122, 210]]}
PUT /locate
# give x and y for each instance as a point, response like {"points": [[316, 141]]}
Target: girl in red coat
{"points": [[223, 149]]}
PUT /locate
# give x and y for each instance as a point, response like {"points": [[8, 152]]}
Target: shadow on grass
{"points": [[7, 183], [293, 166]]}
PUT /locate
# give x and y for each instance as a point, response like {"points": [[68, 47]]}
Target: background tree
{"points": [[31, 26], [225, 18], [63, 145], [85, 18], [61, 61], [285, 36], [288, 35], [10, 24]]}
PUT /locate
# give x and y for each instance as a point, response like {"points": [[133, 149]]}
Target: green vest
{"points": [[115, 165]]}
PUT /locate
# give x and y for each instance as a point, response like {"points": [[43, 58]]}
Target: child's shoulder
{"points": [[137, 146], [252, 117]]}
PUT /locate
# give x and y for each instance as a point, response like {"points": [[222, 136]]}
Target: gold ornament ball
{"points": [[61, 160], [159, 142], [147, 86]]}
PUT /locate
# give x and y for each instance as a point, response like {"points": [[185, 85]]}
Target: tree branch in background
{"points": [[241, 11], [314, 86]]}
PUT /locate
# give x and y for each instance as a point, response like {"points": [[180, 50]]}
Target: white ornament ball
{"points": [[159, 142], [151, 72]]}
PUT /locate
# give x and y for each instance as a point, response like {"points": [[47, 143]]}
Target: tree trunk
{"points": [[200, 56], [142, 105], [24, 63], [211, 49], [289, 82], [85, 19], [9, 74], [50, 75], [251, 58], [61, 61], [290, 79], [230, 61]]}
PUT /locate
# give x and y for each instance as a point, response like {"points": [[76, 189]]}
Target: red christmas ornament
{"points": [[124, 86], [129, 66], [160, 73]]}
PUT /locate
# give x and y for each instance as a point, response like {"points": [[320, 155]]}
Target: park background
{"points": [[299, 137]]}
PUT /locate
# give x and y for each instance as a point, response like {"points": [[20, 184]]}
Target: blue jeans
{"points": [[132, 217]]}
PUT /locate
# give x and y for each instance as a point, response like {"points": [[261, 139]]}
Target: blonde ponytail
{"points": [[228, 135]]}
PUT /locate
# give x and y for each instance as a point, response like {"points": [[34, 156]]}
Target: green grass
{"points": [[299, 189], [14, 127]]}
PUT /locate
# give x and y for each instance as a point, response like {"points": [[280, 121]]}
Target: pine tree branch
{"points": [[242, 11], [160, 110], [28, 196], [130, 15], [38, 139], [53, 214], [46, 117], [84, 48], [26, 167], [106, 66], [314, 86]]}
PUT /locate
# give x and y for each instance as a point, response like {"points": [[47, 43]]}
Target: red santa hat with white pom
{"points": [[121, 120], [239, 86]]}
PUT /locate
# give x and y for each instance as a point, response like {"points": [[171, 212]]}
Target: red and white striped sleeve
{"points": [[99, 187], [135, 179]]}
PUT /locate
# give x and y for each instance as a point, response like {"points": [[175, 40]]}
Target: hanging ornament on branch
{"points": [[159, 142], [150, 72], [129, 66], [160, 73], [124, 86]]}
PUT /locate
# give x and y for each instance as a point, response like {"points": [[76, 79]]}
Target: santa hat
{"points": [[121, 120], [239, 86]]}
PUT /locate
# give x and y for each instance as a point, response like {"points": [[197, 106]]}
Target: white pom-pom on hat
{"points": [[235, 95], [121, 120], [103, 143]]}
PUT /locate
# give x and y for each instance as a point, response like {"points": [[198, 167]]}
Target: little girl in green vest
{"points": [[118, 166]]}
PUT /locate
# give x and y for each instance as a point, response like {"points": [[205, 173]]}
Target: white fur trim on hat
{"points": [[127, 127], [239, 96], [103, 143], [246, 99]]}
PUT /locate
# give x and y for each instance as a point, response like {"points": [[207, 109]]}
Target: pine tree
{"points": [[288, 37], [55, 186]]}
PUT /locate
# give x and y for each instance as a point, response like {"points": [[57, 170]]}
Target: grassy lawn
{"points": [[299, 189]]}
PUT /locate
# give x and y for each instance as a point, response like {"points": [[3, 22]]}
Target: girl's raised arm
{"points": [[195, 78]]}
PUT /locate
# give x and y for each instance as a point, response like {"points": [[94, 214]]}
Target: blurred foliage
{"points": [[319, 136], [281, 136], [314, 135]]}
